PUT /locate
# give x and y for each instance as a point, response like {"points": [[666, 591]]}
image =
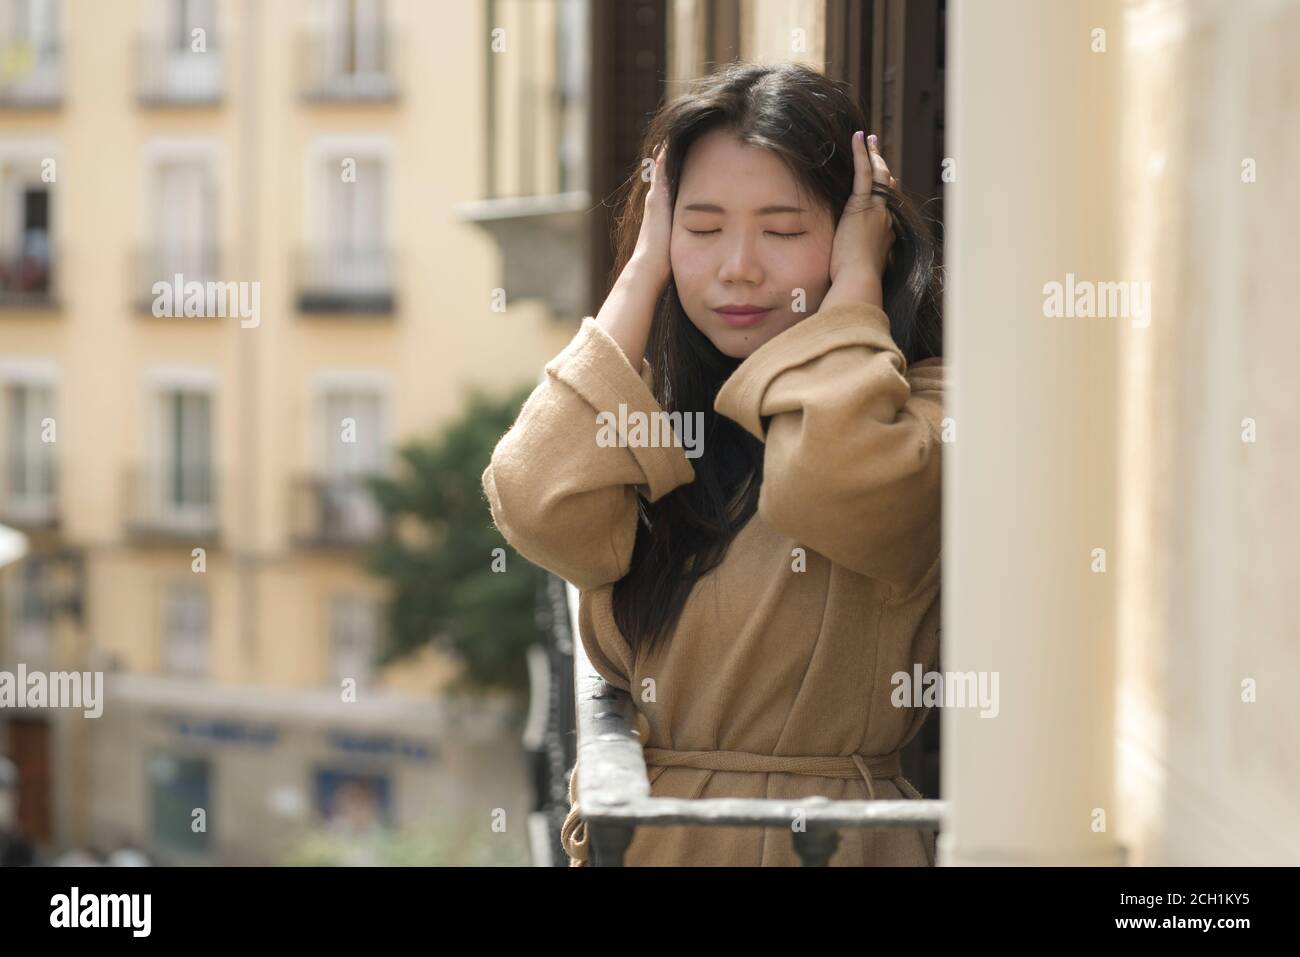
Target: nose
{"points": [[740, 262]]}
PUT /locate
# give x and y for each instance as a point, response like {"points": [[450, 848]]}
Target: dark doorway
{"points": [[29, 749]]}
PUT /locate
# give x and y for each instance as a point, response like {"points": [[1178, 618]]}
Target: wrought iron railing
{"points": [[347, 279], [30, 74], [29, 494], [154, 263], [334, 512], [170, 502], [28, 276], [172, 75]]}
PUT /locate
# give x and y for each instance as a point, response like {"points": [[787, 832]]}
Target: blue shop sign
{"points": [[224, 731], [381, 744]]}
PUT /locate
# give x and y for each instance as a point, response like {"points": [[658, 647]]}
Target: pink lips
{"points": [[741, 316]]}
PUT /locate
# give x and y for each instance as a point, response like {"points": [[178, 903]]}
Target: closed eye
{"points": [[710, 232]]}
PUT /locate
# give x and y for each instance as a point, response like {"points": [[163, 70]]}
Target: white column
{"points": [[1030, 482]]}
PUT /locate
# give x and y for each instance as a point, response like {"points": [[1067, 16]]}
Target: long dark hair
{"points": [[808, 121]]}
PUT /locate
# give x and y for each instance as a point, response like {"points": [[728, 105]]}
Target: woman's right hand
{"points": [[651, 254], [629, 309]]}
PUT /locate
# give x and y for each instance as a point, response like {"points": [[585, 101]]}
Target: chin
{"points": [[738, 343]]}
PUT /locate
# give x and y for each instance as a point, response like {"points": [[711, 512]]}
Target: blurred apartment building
{"points": [[316, 148]]}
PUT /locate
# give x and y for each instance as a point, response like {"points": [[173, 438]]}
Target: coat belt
{"points": [[846, 766], [573, 834]]}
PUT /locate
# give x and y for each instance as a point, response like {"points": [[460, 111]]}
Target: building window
{"points": [[26, 244], [572, 79], [186, 17], [182, 225], [333, 505], [354, 432], [356, 225], [178, 786], [179, 58], [172, 488], [32, 613], [353, 804], [350, 51], [353, 446], [350, 267], [354, 639], [185, 630], [29, 53], [28, 490], [184, 471]]}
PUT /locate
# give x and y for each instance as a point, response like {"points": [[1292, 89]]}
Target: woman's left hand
{"points": [[865, 233]]}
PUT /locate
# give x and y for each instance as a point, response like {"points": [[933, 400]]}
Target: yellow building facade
{"points": [[190, 483]]}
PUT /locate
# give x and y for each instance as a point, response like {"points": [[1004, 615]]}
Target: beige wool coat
{"points": [[776, 681]]}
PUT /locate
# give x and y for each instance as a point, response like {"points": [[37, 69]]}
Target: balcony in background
{"points": [[168, 75], [29, 491], [31, 602], [543, 243], [27, 275], [349, 65], [162, 262], [537, 134], [331, 512], [171, 503], [345, 279], [30, 76]]}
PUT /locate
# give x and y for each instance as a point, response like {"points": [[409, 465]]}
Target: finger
{"points": [[879, 171], [861, 165]]}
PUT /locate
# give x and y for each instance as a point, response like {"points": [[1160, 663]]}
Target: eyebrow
{"points": [[715, 208]]}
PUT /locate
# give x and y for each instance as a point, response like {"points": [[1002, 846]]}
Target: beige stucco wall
{"points": [[1127, 692], [1210, 521]]}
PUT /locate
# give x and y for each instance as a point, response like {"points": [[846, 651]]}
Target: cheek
{"points": [[687, 270], [809, 268]]}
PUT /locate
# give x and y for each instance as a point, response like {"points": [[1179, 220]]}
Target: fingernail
{"points": [[873, 139]]}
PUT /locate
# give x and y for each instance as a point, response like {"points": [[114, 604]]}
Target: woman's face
{"points": [[743, 236]]}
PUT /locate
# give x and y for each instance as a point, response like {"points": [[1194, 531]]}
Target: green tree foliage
{"points": [[437, 553]]}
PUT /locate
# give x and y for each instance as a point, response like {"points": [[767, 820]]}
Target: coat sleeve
{"points": [[562, 499], [851, 464]]}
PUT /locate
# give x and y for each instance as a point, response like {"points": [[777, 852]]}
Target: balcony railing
{"points": [[168, 75], [27, 276], [29, 492], [614, 791], [334, 512], [349, 64], [156, 263], [171, 502], [346, 279], [30, 76]]}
